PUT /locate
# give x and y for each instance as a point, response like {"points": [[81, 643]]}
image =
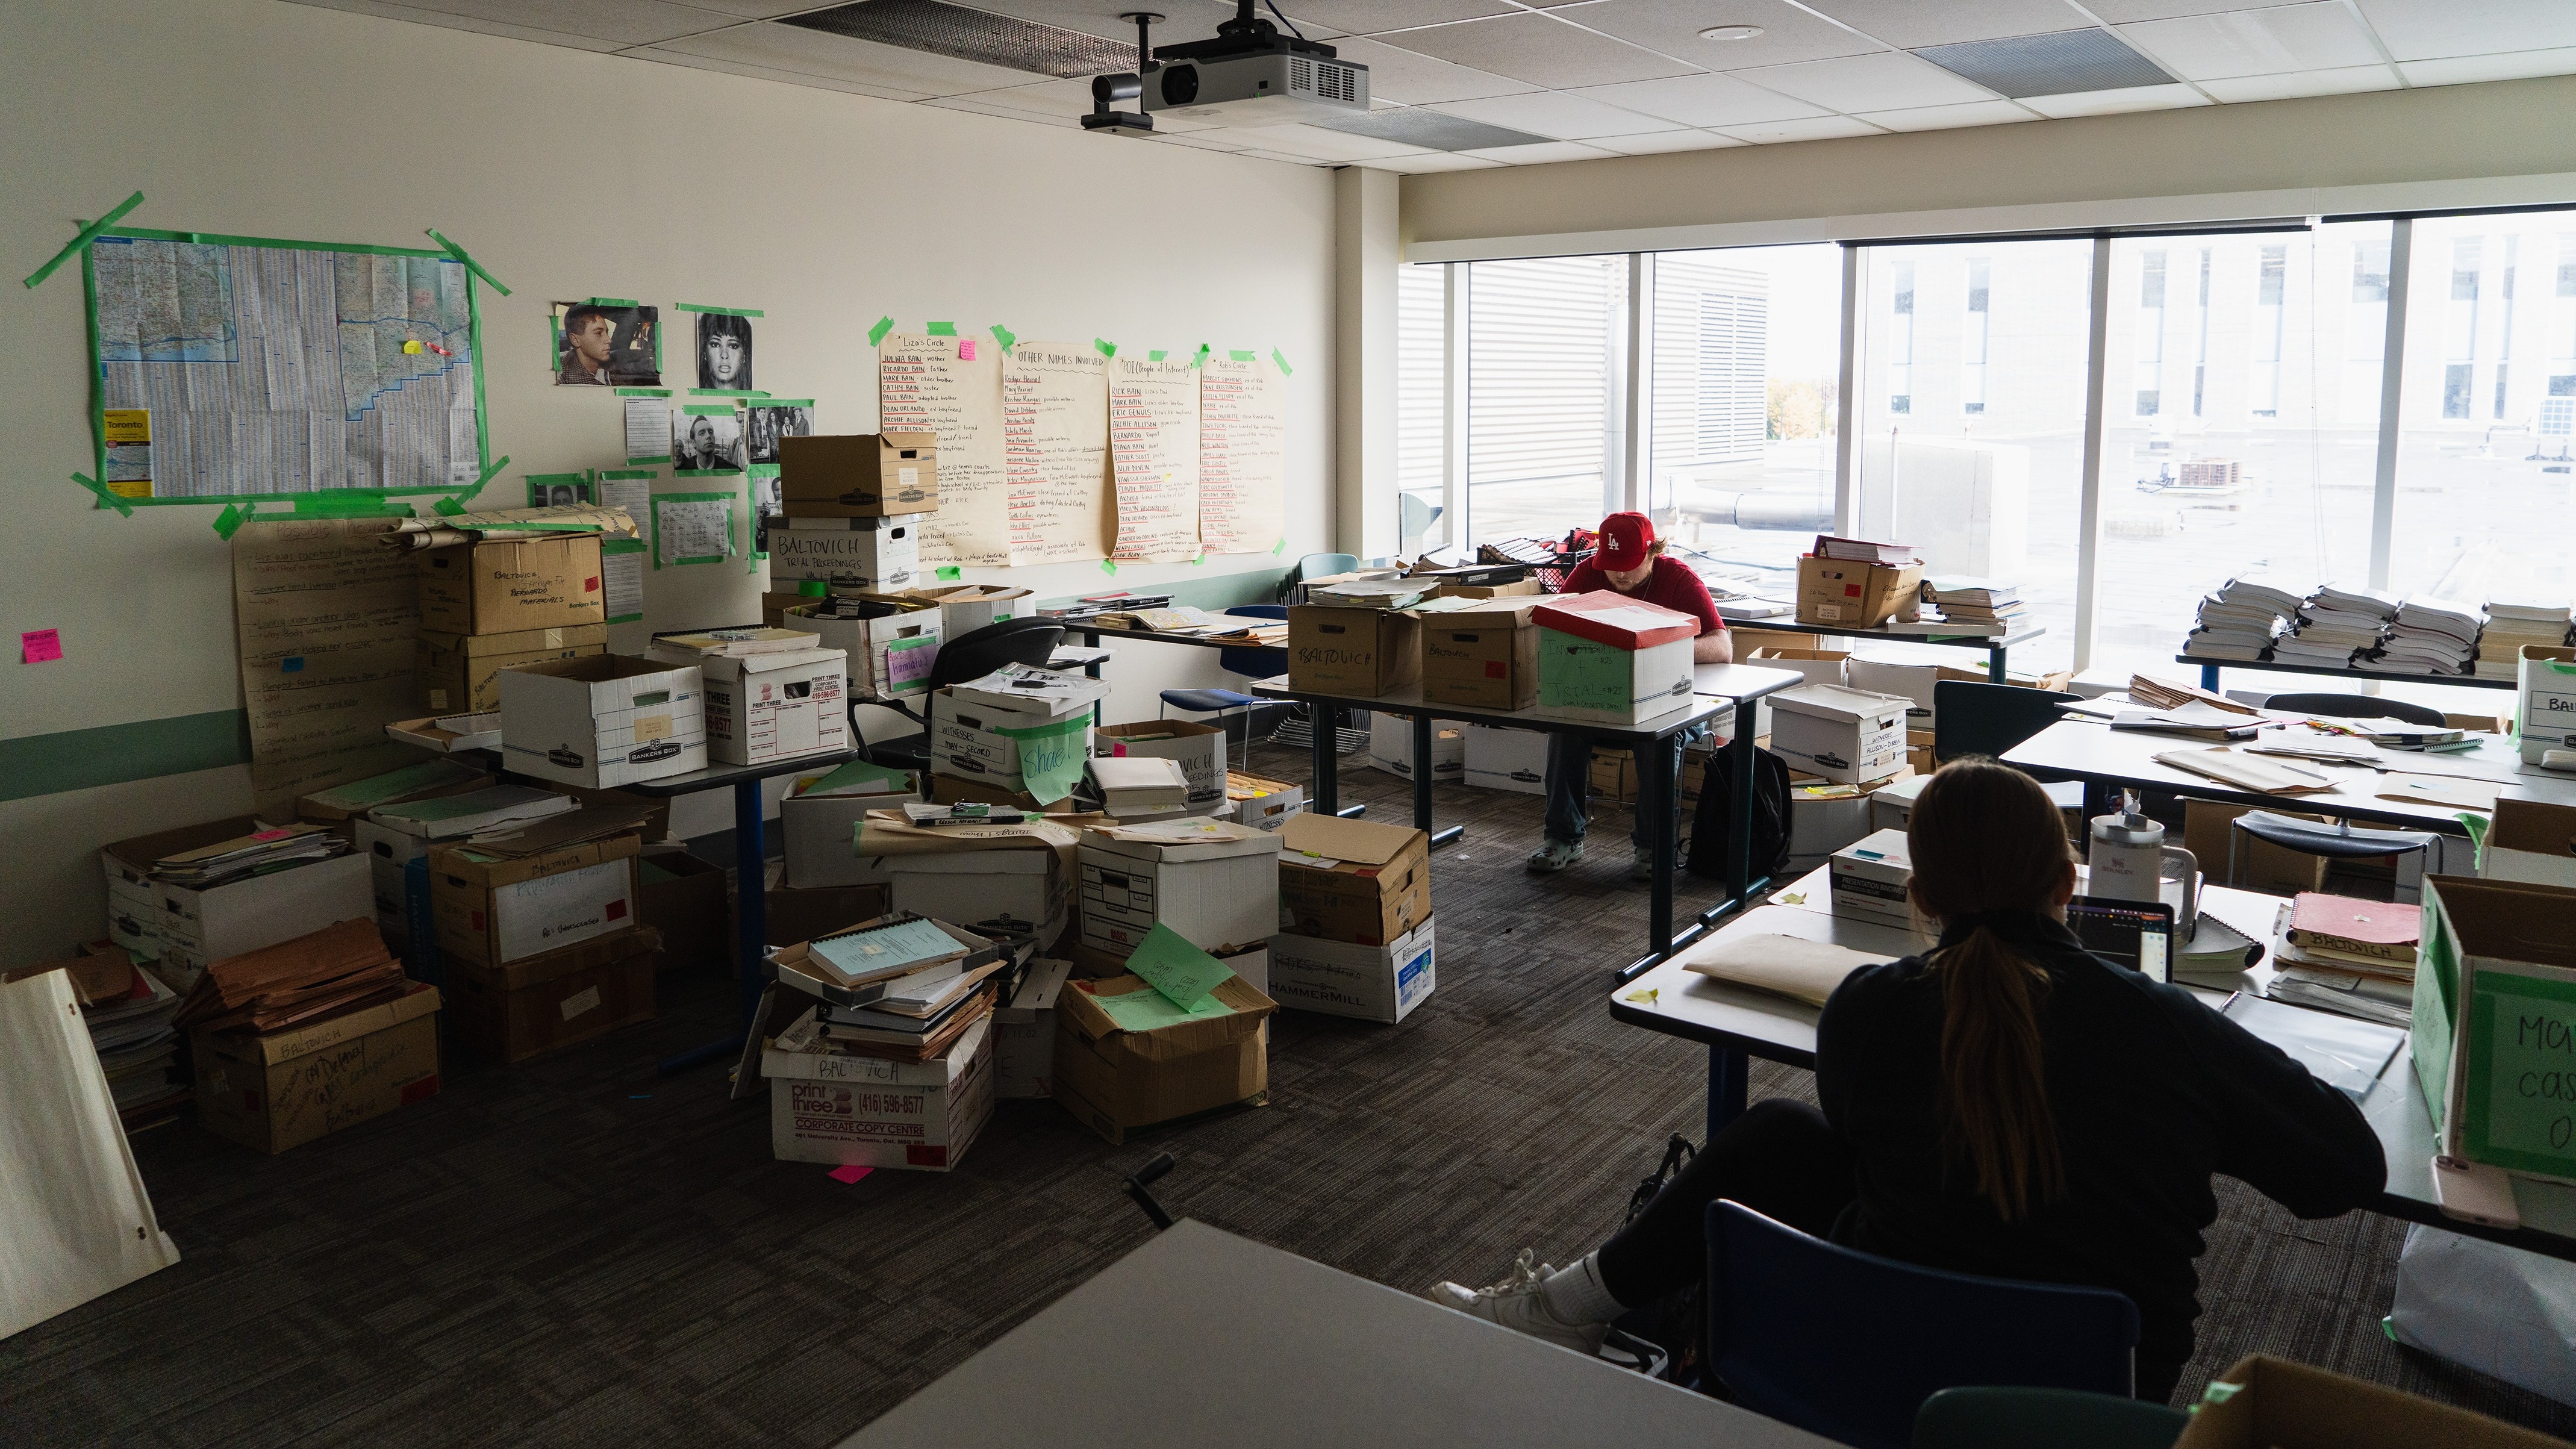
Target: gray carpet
{"points": [[577, 1252]]}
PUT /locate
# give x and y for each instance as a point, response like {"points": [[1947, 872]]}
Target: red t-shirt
{"points": [[1672, 585]]}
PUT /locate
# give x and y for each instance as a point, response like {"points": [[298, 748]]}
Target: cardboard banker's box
{"points": [[1352, 651], [1851, 595], [859, 475], [878, 555], [1353, 880], [2268, 1403], [506, 587], [2494, 1025], [1373, 983], [874, 1112], [555, 998], [1115, 1081], [288, 1087], [772, 706], [1486, 657], [492, 909], [603, 720], [459, 673]]}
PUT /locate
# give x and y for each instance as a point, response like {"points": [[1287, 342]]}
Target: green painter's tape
{"points": [[785, 402], [106, 497], [723, 392], [229, 522], [1108, 566], [643, 392], [615, 302], [1201, 358], [491, 470], [951, 572], [1284, 369], [1240, 356], [877, 333], [87, 235], [1156, 355], [1004, 336], [620, 474], [719, 311], [471, 265], [1105, 349], [447, 507], [656, 458], [705, 409], [1202, 558], [1280, 547], [942, 329]]}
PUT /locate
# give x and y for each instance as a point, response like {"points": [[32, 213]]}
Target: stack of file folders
{"points": [[2351, 956], [2428, 636], [327, 973], [127, 1011], [254, 854], [2240, 620], [2513, 624], [2333, 625]]}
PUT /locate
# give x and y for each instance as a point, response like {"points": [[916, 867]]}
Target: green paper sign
{"points": [[1575, 673], [1177, 969], [2522, 1073], [1148, 1010], [1052, 755]]}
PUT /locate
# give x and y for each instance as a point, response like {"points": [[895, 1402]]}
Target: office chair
{"points": [[1250, 661], [1988, 719], [969, 656], [2334, 840], [2003, 1418], [2357, 706], [1314, 566], [1849, 1345]]}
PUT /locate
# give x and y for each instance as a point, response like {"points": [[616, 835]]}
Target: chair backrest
{"points": [[2356, 706], [1998, 1418], [1848, 1344], [1250, 662], [979, 652], [1988, 719]]}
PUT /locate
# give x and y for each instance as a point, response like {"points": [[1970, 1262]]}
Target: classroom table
{"points": [[2209, 673], [2106, 760], [1737, 1024], [1280, 1352], [1994, 645], [1657, 778]]}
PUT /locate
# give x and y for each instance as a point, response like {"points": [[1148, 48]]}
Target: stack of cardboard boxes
{"points": [[851, 552], [1018, 736], [182, 898], [494, 605], [1356, 897], [1214, 883], [771, 694]]}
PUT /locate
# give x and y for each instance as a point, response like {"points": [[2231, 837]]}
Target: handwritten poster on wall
{"points": [[1154, 457], [326, 619], [1055, 427], [1243, 457], [952, 386]]}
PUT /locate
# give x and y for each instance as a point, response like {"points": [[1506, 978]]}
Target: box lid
{"points": [[1332, 838], [1039, 991], [1606, 616], [1879, 847], [1847, 706], [1197, 838], [800, 661]]}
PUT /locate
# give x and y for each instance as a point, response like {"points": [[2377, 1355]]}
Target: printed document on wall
{"points": [[1055, 427], [1154, 456], [1243, 455], [952, 386], [326, 619]]}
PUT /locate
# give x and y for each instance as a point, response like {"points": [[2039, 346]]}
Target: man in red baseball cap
{"points": [[1630, 561]]}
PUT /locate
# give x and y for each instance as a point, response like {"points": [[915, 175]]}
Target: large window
{"points": [[1421, 409], [1545, 348]]}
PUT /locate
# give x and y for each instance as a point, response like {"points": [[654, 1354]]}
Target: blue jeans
{"points": [[1569, 779]]}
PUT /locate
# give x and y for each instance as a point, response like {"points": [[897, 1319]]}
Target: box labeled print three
{"points": [[604, 720]]}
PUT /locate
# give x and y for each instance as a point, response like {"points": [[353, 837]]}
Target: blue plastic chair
{"points": [[1994, 1418], [1849, 1345], [1252, 662]]}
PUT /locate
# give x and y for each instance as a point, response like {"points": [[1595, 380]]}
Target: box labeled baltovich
{"points": [[874, 555], [1352, 651]]}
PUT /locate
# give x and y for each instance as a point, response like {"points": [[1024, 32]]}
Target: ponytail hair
{"points": [[1987, 845]]}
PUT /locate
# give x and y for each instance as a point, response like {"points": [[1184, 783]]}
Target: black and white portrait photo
{"points": [[768, 506], [724, 351], [556, 495], [765, 424], [708, 440], [600, 345]]}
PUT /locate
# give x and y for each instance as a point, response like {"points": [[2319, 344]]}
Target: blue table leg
{"points": [[1726, 1088], [751, 919], [2209, 677], [1996, 673]]}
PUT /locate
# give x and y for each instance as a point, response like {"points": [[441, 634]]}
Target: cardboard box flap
{"points": [[1078, 1008], [1834, 702], [908, 445], [2533, 825], [1359, 842], [1483, 614], [2504, 920], [302, 1041], [1606, 616], [573, 827], [2267, 1403]]}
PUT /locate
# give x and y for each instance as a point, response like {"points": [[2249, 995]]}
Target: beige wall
{"points": [[569, 175], [2498, 144]]}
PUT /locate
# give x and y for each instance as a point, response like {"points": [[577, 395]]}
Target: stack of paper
{"points": [[1186, 619], [2241, 619], [455, 817], [1015, 685], [1965, 600], [2511, 625], [2351, 956], [328, 973], [2194, 719], [252, 854], [1133, 785], [1370, 593], [2430, 636], [2157, 693], [901, 988], [2333, 625], [1856, 550]]}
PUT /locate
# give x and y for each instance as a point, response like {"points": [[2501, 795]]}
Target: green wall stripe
{"points": [[32, 765]]}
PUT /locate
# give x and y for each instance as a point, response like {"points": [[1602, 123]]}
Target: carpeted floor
{"points": [[577, 1252]]}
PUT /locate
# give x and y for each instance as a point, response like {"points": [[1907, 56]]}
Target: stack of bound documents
{"points": [[2241, 620], [2333, 625], [1973, 601], [2511, 625], [2429, 636], [900, 987], [2351, 956]]}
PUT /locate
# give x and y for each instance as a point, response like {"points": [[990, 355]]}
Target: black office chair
{"points": [[1988, 719], [968, 656], [2357, 706]]}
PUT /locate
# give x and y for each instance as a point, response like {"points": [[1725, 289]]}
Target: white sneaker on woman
{"points": [[1554, 855], [1515, 1304]]}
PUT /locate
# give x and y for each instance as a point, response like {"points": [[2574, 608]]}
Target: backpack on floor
{"points": [[1712, 824]]}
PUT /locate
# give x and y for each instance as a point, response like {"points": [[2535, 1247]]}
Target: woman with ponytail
{"points": [[2006, 1104]]}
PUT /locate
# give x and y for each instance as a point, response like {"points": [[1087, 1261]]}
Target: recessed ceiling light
{"points": [[1730, 32]]}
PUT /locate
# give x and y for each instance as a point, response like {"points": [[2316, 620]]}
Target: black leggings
{"points": [[1782, 1160]]}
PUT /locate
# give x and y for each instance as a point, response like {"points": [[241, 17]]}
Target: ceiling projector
{"points": [[1247, 75]]}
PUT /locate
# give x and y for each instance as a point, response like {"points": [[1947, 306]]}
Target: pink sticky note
{"points": [[849, 1173], [966, 350], [40, 646]]}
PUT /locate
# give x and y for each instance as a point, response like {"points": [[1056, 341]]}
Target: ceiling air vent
{"points": [[2057, 64], [976, 35], [1413, 127]]}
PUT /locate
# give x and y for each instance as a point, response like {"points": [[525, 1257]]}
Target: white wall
{"points": [[568, 175]]}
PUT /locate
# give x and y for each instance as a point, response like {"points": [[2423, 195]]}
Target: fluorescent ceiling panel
{"points": [[1704, 100], [1414, 126], [2062, 63], [1534, 48], [1911, 23], [2320, 36], [1890, 80]]}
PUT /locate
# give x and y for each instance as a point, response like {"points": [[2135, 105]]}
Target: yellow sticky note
{"points": [[1793, 898], [1647, 996], [412, 348]]}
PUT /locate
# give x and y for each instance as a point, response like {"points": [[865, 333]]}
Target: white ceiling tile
{"points": [[2463, 69], [2105, 103], [1945, 118], [1202, 140], [1315, 141], [756, 9], [2342, 80], [2284, 38], [1415, 79], [977, 105], [1913, 23], [629, 22], [1531, 47], [771, 73], [1658, 142], [2428, 29], [1561, 115], [1673, 26], [1540, 154], [1890, 80], [1282, 156], [447, 21], [1433, 161], [1703, 100], [813, 52], [1182, 19], [1065, 99], [1369, 17], [1822, 128], [2122, 12]]}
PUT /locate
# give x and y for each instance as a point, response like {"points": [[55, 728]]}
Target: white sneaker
{"points": [[1555, 855], [1515, 1304], [1643, 866]]}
